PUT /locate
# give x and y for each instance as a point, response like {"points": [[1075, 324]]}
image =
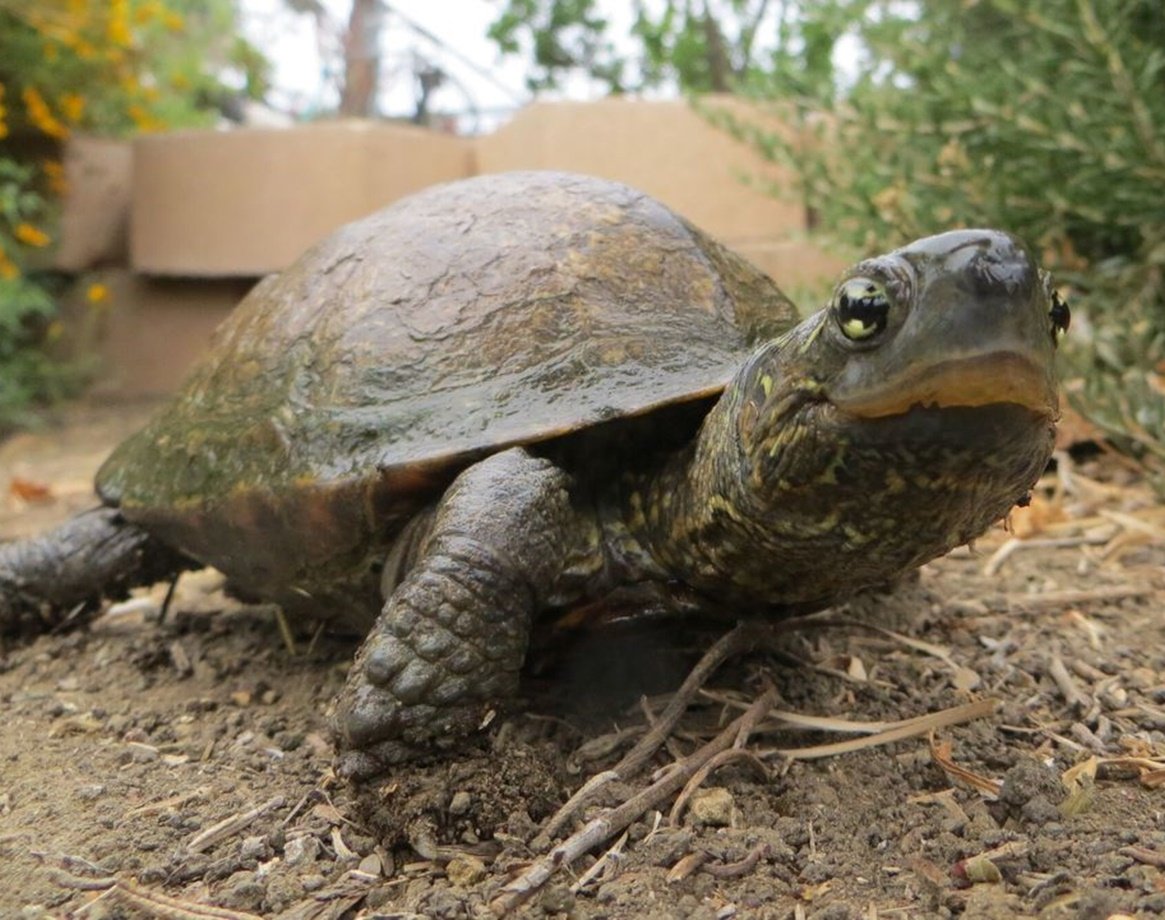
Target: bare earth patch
{"points": [[168, 767]]}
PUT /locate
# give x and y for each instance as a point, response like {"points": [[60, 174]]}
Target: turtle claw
{"points": [[360, 766]]}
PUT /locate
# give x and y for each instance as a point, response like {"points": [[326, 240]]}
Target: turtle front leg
{"points": [[93, 555], [451, 639]]}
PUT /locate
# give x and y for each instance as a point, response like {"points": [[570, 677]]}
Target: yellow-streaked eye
{"points": [[861, 307]]}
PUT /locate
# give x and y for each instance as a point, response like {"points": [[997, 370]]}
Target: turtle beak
{"points": [[969, 381]]}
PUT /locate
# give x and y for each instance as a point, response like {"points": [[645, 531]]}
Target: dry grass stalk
{"points": [[907, 728], [204, 840], [154, 903], [940, 752]]}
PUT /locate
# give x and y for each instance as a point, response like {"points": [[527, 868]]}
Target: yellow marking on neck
{"points": [[812, 337], [720, 503], [766, 384]]}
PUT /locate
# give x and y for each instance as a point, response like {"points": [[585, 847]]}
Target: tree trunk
{"points": [[719, 67], [362, 59]]}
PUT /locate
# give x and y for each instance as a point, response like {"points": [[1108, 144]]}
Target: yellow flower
{"points": [[146, 13], [41, 115], [144, 120], [8, 270], [30, 235], [55, 173], [72, 106], [118, 33], [97, 293], [173, 21]]}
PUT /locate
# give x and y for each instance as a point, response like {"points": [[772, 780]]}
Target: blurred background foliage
{"points": [[1044, 117], [903, 117], [104, 67]]}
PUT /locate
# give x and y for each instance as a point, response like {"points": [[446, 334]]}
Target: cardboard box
{"points": [[148, 332], [94, 228], [666, 149], [248, 202]]}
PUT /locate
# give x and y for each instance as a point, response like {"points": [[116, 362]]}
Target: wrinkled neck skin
{"points": [[784, 503]]}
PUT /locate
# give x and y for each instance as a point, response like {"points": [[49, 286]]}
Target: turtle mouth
{"points": [[967, 382]]}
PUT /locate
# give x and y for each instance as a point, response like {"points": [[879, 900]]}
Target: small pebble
{"points": [[464, 870], [370, 864], [711, 807], [301, 850], [253, 848], [142, 753], [460, 803]]}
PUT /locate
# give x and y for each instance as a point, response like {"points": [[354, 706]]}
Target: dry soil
{"points": [[189, 758]]}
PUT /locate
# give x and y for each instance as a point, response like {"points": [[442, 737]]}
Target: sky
{"points": [[491, 85]]}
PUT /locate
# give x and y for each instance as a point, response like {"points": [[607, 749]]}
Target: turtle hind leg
{"points": [[93, 555]]}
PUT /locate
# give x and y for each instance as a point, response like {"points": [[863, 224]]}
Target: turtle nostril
{"points": [[1003, 268]]}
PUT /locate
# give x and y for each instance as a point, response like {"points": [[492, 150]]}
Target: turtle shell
{"points": [[344, 392]]}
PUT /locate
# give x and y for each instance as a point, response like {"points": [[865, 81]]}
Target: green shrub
{"points": [[1044, 117], [110, 67]]}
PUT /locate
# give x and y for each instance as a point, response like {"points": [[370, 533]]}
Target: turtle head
{"points": [[905, 417], [965, 319]]}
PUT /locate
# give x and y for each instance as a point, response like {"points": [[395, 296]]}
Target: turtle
{"points": [[510, 395]]}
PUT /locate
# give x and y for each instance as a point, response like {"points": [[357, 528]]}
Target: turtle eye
{"points": [[861, 307], [1061, 316]]}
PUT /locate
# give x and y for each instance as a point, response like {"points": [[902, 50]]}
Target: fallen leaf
{"points": [[28, 490]]}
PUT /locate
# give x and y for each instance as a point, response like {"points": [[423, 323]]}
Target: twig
{"points": [[1001, 555], [1066, 685], [736, 642], [613, 852], [1144, 855], [160, 905], [76, 882], [232, 825], [615, 820], [740, 867], [585, 793], [940, 752], [152, 903], [908, 728], [173, 802], [1072, 598]]}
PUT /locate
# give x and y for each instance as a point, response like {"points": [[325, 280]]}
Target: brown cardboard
{"points": [[666, 149], [233, 205], [148, 332], [94, 226], [248, 202]]}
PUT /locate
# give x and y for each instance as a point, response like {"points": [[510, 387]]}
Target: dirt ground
{"points": [[189, 759]]}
